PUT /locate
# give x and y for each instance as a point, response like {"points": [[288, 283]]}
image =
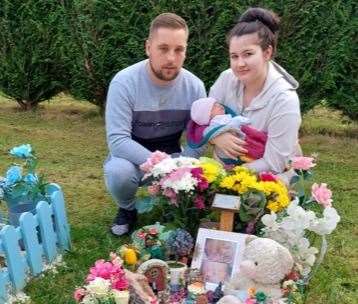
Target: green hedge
{"points": [[30, 64], [96, 38]]}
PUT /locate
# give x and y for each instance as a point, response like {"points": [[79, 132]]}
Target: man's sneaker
{"points": [[124, 221]]}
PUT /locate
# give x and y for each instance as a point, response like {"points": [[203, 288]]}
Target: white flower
{"points": [[164, 167], [89, 299], [269, 220], [186, 161], [307, 253], [19, 298], [99, 287], [298, 218], [326, 224], [121, 297], [290, 283], [185, 183]]}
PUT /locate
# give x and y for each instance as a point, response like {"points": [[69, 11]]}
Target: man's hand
{"points": [[230, 144]]}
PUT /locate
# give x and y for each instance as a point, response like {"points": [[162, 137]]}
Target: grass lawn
{"points": [[70, 142]]}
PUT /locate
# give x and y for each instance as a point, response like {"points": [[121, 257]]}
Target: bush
{"points": [[30, 71], [98, 38]]}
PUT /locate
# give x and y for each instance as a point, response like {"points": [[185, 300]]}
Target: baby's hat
{"points": [[201, 110]]}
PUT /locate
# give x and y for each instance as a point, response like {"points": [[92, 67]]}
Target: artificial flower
{"points": [[302, 163], [99, 287], [322, 195], [22, 151]]}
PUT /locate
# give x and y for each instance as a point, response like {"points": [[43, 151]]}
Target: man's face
{"points": [[166, 49]]}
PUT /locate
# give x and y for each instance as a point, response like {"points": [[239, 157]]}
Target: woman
{"points": [[261, 90]]}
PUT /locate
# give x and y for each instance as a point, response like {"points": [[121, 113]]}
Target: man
{"points": [[148, 106]]}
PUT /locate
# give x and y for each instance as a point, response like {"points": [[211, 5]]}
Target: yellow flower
{"points": [[278, 195], [210, 171], [130, 256], [227, 182], [273, 206]]}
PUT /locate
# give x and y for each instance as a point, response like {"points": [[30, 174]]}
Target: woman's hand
{"points": [[230, 144]]}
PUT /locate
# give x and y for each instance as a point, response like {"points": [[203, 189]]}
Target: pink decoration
{"points": [[155, 158], [322, 194], [199, 202], [268, 177], [120, 284], [302, 163], [79, 294], [105, 270]]}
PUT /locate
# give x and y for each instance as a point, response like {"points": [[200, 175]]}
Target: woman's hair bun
{"points": [[268, 18]]}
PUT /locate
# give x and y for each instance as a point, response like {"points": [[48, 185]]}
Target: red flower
{"points": [[120, 284], [199, 202], [268, 177]]}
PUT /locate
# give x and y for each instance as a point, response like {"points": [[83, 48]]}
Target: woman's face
{"points": [[247, 59]]}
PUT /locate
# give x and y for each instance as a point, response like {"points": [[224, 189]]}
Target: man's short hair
{"points": [[168, 20]]}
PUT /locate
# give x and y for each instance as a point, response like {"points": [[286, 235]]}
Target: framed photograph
{"points": [[218, 255], [226, 202]]}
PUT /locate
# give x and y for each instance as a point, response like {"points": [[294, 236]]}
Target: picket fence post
{"points": [[39, 236]]}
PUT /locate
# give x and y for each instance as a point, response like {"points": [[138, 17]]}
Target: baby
{"points": [[210, 114]]}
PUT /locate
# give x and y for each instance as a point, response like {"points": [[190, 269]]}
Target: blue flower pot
{"points": [[18, 205], [15, 212]]}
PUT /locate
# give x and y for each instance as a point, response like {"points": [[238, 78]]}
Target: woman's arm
{"points": [[282, 132]]}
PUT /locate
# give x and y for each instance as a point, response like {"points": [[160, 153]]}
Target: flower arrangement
{"points": [[179, 188], [21, 183], [180, 244], [296, 228], [259, 194], [150, 240], [183, 188], [106, 283]]}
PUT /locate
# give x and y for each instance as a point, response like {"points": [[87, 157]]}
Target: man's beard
{"points": [[159, 74]]}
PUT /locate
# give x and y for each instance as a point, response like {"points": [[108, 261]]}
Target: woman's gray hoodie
{"points": [[276, 110]]}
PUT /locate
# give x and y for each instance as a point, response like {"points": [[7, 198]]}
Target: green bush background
{"points": [[79, 45]]}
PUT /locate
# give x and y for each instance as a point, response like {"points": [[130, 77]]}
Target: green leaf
{"points": [[244, 217], [294, 179]]}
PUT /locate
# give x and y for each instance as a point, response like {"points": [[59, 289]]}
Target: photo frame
{"points": [[218, 255]]}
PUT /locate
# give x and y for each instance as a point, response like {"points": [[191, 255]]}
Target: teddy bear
{"points": [[264, 265]]}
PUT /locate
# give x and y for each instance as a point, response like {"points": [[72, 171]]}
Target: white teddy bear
{"points": [[265, 264]]}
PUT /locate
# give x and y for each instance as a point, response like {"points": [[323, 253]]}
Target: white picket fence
{"points": [[42, 237]]}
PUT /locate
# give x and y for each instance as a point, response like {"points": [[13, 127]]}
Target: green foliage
{"points": [[312, 44], [30, 69]]}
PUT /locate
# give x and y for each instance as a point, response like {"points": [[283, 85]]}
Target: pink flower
{"points": [[141, 235], [153, 231], [154, 301], [203, 184], [199, 202], [197, 172], [153, 189], [105, 270], [120, 284], [170, 193], [155, 158], [302, 163], [322, 194], [178, 174], [79, 294], [268, 177]]}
